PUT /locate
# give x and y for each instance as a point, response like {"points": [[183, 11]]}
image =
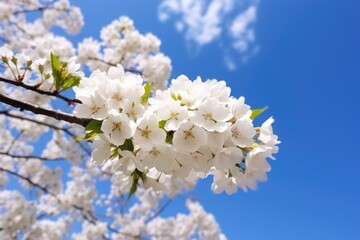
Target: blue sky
{"points": [[307, 71]]}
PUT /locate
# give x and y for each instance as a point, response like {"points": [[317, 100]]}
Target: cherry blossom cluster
{"points": [[189, 131], [121, 43], [17, 30]]}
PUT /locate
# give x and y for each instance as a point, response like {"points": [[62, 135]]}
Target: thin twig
{"points": [[65, 130], [30, 157], [161, 209], [132, 70], [44, 189]]}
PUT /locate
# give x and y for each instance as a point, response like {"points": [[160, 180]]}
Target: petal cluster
{"points": [[187, 132]]}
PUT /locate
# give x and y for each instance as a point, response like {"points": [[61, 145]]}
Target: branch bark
{"points": [[37, 90], [43, 111]]}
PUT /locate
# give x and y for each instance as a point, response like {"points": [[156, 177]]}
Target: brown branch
{"points": [[37, 90], [30, 157], [65, 130], [43, 111], [44, 189]]}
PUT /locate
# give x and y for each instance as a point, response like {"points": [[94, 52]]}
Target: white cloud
{"points": [[206, 21], [241, 31]]}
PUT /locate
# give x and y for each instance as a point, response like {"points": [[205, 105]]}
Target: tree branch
{"points": [[44, 189], [43, 111], [65, 130], [132, 70], [37, 90], [30, 157], [160, 210]]}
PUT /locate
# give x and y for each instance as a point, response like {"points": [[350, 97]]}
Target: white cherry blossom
{"points": [[93, 107], [117, 127], [212, 116], [243, 132], [173, 113], [189, 138], [268, 137]]}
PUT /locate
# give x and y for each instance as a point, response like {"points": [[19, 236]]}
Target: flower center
{"points": [[189, 134], [208, 116], [236, 133], [117, 96], [145, 132], [94, 109], [116, 126], [173, 115], [155, 153]]}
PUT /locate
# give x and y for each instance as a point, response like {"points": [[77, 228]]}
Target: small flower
{"points": [[148, 133], [93, 106], [160, 157], [242, 132], [256, 159], [223, 182], [239, 109], [228, 157], [212, 116], [102, 150], [189, 137], [174, 115], [116, 127], [268, 137], [127, 162]]}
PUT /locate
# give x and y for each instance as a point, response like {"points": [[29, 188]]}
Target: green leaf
{"points": [[133, 189], [94, 126], [63, 80], [92, 129], [162, 124], [56, 70], [135, 179], [257, 112], [88, 136], [71, 81], [141, 175], [169, 137], [145, 97], [128, 145]]}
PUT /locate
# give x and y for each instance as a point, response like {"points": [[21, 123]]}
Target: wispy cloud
{"points": [[204, 22]]}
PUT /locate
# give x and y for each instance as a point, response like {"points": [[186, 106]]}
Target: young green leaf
{"points": [[134, 179], [162, 124], [145, 97], [88, 136], [71, 81], [94, 126], [128, 145], [257, 112], [56, 70]]}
